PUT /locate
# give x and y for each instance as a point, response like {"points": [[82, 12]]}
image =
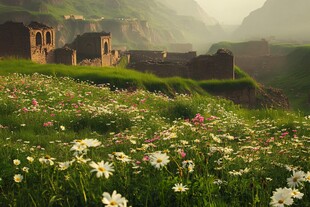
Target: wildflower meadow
{"points": [[69, 143]]}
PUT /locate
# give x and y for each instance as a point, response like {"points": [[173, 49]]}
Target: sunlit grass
{"points": [[57, 134]]}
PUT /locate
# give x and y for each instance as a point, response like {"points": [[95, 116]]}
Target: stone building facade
{"points": [[65, 56], [35, 41], [92, 46], [217, 66]]}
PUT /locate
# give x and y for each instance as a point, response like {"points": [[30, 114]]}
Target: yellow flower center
{"points": [[159, 160], [113, 203], [281, 201], [101, 169], [295, 180]]}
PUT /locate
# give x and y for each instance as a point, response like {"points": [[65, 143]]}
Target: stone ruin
{"points": [[95, 45], [36, 42], [186, 65]]}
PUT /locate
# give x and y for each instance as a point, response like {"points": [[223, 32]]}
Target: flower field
{"points": [[65, 143]]}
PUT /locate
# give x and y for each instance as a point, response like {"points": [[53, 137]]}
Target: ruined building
{"points": [[34, 41], [95, 45], [186, 65]]}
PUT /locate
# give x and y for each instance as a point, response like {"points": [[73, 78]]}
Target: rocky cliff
{"points": [[137, 23]]}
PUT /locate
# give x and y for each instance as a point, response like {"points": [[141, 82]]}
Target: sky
{"points": [[230, 12]]}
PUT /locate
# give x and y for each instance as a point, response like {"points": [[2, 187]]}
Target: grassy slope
{"points": [[294, 79], [126, 79], [239, 155]]}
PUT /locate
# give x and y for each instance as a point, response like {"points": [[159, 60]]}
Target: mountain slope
{"points": [[189, 8], [279, 19], [165, 24]]}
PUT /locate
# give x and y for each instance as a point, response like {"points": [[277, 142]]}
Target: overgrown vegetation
{"points": [[293, 78], [120, 78], [66, 143]]}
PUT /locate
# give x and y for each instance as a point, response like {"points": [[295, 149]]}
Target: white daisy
{"points": [[297, 194], [18, 178], [296, 179], [282, 197], [158, 159], [16, 162], [179, 187], [116, 200], [102, 168]]}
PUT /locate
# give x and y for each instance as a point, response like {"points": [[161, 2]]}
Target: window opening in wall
{"points": [[106, 48], [48, 38], [38, 39]]}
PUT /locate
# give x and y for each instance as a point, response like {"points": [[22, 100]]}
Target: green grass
{"points": [[127, 79], [235, 157], [293, 78]]}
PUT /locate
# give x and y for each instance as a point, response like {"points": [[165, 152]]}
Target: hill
{"points": [[277, 19], [292, 76], [164, 23], [68, 143]]}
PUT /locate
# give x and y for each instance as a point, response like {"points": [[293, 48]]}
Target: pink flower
{"points": [[25, 109], [146, 158], [48, 124], [152, 140], [182, 153], [198, 118], [34, 102]]}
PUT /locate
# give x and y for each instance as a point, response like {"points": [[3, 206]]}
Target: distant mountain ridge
{"points": [[190, 8], [166, 23], [278, 19]]}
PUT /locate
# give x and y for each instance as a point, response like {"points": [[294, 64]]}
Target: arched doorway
{"points": [[48, 38], [38, 39]]}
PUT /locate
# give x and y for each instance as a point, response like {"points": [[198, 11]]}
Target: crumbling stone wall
{"points": [[14, 40], [65, 56], [92, 46], [42, 42], [205, 67], [180, 57], [34, 41], [137, 56], [217, 66]]}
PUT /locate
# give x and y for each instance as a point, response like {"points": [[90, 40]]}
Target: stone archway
{"points": [[38, 39], [106, 48], [48, 38]]}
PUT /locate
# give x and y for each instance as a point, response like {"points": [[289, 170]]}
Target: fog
{"points": [[230, 12]]}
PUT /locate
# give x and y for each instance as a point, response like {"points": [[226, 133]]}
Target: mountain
{"points": [[278, 19], [154, 22], [190, 8]]}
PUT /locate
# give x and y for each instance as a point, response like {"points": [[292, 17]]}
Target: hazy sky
{"points": [[230, 11]]}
